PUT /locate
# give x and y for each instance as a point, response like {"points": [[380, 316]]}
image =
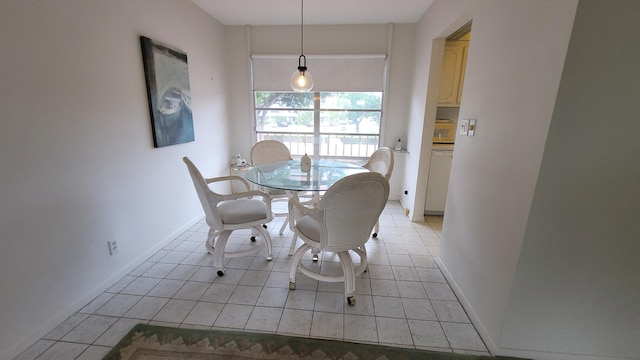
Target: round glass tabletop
{"points": [[287, 175]]}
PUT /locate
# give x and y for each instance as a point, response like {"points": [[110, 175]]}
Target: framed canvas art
{"points": [[167, 76]]}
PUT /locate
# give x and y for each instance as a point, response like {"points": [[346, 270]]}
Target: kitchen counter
{"points": [[442, 147]]}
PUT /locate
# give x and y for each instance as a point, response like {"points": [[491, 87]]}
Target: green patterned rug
{"points": [[149, 342]]}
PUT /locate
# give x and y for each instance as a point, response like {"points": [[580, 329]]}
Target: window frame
{"points": [[362, 150]]}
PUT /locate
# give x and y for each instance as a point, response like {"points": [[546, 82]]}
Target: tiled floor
{"points": [[403, 300]]}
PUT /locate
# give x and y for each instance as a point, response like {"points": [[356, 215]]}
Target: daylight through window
{"points": [[330, 124], [340, 118]]}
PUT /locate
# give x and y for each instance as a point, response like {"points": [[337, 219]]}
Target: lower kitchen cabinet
{"points": [[438, 182]]}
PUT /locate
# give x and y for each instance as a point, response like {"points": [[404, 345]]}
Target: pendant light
{"points": [[301, 80]]}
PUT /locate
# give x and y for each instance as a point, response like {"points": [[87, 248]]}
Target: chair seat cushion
{"points": [[242, 211], [309, 227]]}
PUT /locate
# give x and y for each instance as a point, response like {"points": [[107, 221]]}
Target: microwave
{"points": [[444, 133]]}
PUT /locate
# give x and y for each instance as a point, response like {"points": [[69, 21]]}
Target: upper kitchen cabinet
{"points": [[452, 76]]}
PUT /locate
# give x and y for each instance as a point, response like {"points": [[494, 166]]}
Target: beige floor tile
{"points": [[402, 300]]}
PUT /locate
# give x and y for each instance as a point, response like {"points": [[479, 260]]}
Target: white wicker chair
{"points": [[225, 213], [269, 151], [341, 222], [381, 161]]}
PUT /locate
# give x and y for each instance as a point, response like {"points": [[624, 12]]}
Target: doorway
{"points": [[449, 100]]}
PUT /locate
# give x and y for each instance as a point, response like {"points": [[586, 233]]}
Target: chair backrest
{"points": [[350, 209], [208, 198], [268, 151], [381, 161]]}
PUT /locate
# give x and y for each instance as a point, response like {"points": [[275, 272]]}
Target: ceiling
{"points": [[316, 12]]}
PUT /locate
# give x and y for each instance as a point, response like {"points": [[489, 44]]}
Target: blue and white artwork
{"points": [[169, 95]]}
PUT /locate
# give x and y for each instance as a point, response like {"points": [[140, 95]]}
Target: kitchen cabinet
{"points": [[438, 182], [452, 76]]}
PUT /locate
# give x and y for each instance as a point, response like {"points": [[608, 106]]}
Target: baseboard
{"points": [[77, 305], [494, 349], [542, 355], [475, 320]]}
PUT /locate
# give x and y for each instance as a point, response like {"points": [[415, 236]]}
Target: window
{"points": [[331, 124], [341, 118]]}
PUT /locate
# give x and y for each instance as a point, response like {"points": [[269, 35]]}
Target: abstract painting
{"points": [[167, 76]]}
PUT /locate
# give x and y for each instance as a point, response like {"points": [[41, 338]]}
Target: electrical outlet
{"points": [[113, 246], [472, 127]]}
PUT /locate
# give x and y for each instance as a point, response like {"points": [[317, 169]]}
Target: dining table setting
{"points": [[289, 175]]}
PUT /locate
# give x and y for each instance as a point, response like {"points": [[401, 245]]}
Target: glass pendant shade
{"points": [[301, 80]]}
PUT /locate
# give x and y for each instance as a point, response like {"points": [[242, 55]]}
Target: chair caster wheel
{"points": [[220, 273], [315, 257], [253, 239], [269, 258], [351, 300], [292, 285], [264, 226], [375, 235]]}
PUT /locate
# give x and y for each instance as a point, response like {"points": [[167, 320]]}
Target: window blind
{"points": [[330, 73]]}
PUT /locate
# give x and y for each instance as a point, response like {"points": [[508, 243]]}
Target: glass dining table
{"points": [[287, 175]]}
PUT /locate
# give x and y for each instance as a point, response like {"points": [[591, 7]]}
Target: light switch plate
{"points": [[463, 127], [472, 127]]}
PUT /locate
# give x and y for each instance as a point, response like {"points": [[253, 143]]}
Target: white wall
{"points": [[76, 149], [540, 237], [345, 39], [398, 84], [515, 60], [577, 275]]}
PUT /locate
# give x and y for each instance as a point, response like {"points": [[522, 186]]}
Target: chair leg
{"points": [[284, 225], [349, 276], [297, 257], [294, 241], [292, 247], [218, 255], [267, 240], [211, 238], [361, 251], [376, 228]]}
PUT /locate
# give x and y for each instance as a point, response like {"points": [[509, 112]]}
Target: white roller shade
{"points": [[330, 73]]}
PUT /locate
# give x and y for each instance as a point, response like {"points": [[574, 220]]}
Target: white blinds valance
{"points": [[330, 73]]}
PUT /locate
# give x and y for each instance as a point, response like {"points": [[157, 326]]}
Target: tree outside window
{"points": [[336, 124]]}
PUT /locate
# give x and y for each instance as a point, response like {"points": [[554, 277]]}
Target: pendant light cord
{"points": [[302, 28]]}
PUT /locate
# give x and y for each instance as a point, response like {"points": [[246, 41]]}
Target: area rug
{"points": [[149, 342]]}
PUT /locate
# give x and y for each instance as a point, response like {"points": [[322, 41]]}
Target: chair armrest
{"points": [[230, 178], [295, 206], [248, 193], [297, 210]]}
